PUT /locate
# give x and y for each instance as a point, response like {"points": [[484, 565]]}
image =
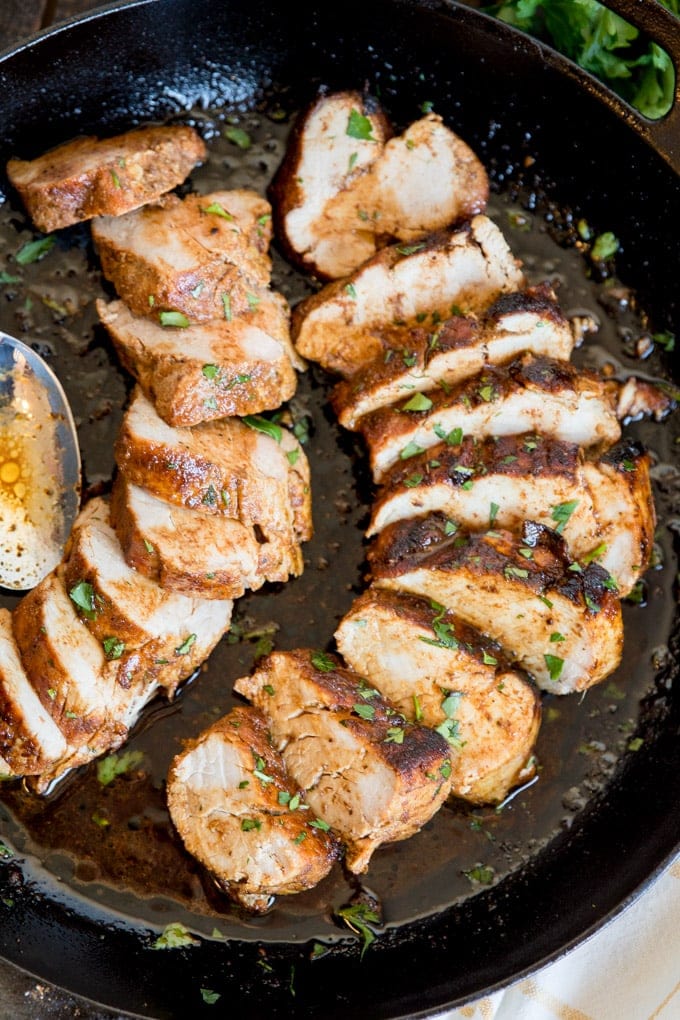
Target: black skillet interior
{"points": [[544, 131]]}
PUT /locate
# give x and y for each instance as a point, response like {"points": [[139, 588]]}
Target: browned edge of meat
{"points": [[286, 191], [336, 732], [439, 671], [89, 176], [240, 814]]}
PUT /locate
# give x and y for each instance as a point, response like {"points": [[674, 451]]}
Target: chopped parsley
{"points": [[359, 126], [218, 210], [555, 666], [323, 662], [117, 765], [178, 320], [186, 645], [33, 251], [238, 136], [260, 424], [561, 514], [175, 936], [113, 647], [358, 917], [418, 402], [82, 594]]}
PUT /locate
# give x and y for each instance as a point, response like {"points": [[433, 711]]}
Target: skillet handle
{"points": [[663, 27]]}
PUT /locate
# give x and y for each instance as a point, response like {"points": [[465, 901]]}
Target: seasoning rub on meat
{"points": [[347, 187], [466, 270], [602, 506], [92, 176], [241, 815], [557, 620], [438, 354], [443, 673], [371, 774], [528, 394]]}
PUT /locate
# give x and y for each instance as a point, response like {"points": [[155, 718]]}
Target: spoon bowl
{"points": [[39, 466]]}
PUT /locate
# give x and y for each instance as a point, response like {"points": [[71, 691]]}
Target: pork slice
{"points": [[68, 670], [529, 394], [208, 370], [555, 619], [441, 672], [199, 255], [29, 738], [602, 506], [240, 814], [623, 501], [368, 772], [225, 466], [200, 555], [325, 152], [93, 176], [147, 632], [467, 268], [339, 198], [494, 482], [441, 354]]}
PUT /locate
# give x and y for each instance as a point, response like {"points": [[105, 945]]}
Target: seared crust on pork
{"points": [[221, 467], [70, 675], [562, 625], [30, 740], [204, 256], [437, 669], [529, 394], [602, 507], [345, 188], [373, 776], [340, 327], [440, 354], [201, 555], [240, 814], [320, 158], [208, 370], [147, 632], [105, 176]]}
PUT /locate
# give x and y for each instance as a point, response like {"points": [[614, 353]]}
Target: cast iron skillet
{"points": [[540, 125]]}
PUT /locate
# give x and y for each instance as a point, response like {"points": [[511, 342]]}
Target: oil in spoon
{"points": [[39, 467]]}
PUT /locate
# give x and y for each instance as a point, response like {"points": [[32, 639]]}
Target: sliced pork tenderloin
{"points": [[71, 676], [239, 813], [425, 357], [147, 632], [373, 776], [337, 138], [250, 470], [198, 373], [528, 394], [603, 507], [467, 269], [555, 619], [345, 188], [204, 256], [443, 673], [30, 740], [199, 555], [93, 176]]}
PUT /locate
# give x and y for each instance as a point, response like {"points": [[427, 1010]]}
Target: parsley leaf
{"points": [[360, 127]]}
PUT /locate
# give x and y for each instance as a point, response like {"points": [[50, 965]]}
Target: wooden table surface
{"points": [[20, 18]]}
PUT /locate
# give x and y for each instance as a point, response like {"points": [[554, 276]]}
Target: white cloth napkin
{"points": [[628, 970]]}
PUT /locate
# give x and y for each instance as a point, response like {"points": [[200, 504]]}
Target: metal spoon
{"points": [[39, 466]]}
